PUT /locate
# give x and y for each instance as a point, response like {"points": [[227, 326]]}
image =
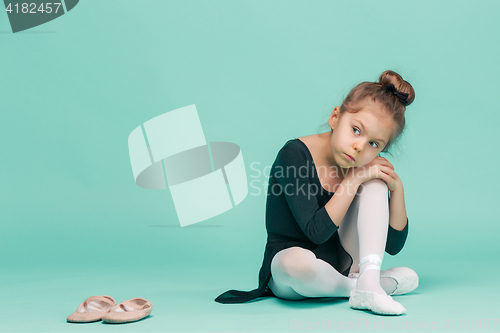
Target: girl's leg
{"points": [[297, 274], [372, 197], [372, 227], [348, 233]]}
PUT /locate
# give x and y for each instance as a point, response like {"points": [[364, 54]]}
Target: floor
{"points": [[38, 299]]}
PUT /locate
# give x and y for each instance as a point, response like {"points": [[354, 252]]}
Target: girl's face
{"points": [[362, 135]]}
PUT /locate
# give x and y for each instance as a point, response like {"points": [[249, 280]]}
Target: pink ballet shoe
{"points": [[92, 309], [128, 311]]}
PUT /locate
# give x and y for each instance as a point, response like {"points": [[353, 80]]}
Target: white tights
{"points": [[298, 274]]}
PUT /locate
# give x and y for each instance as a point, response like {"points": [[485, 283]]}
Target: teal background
{"points": [[74, 224]]}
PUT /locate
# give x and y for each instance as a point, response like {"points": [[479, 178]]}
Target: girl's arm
{"points": [[340, 202], [397, 209]]}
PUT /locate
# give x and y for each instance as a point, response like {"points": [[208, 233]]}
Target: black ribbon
{"points": [[402, 97]]}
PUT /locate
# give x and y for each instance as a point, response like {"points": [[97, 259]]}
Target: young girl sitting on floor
{"points": [[329, 216]]}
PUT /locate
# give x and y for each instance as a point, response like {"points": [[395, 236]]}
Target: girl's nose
{"points": [[357, 145]]}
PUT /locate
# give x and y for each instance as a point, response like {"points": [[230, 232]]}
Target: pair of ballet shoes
{"points": [[96, 308]]}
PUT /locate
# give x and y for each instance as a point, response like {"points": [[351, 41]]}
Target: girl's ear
{"points": [[332, 122]]}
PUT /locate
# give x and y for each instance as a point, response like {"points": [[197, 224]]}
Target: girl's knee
{"points": [[294, 262], [284, 291], [375, 185]]}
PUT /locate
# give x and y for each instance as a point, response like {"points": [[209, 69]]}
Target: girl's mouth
{"points": [[349, 157]]}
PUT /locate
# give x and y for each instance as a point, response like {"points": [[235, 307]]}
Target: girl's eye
{"points": [[376, 144]]}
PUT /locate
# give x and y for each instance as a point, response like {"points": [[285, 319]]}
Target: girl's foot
{"points": [[368, 293], [379, 304], [370, 281]]}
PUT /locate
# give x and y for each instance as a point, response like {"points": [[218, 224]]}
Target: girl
{"points": [[329, 216]]}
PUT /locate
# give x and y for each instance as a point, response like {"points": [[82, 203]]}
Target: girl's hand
{"points": [[398, 184], [379, 168]]}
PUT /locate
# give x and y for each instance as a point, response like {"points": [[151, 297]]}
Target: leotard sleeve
{"points": [[396, 239], [292, 172]]}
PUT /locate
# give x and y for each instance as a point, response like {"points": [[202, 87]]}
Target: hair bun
{"points": [[402, 97], [401, 88]]}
